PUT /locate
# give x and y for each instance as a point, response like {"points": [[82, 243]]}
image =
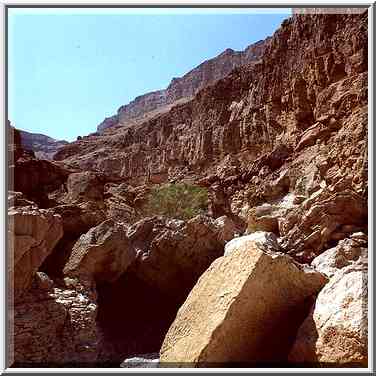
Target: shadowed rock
{"points": [[244, 309]]}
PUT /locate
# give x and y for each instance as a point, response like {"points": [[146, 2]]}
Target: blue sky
{"points": [[69, 69]]}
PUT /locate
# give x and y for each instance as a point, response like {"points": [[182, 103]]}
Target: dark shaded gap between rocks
{"points": [[133, 317]]}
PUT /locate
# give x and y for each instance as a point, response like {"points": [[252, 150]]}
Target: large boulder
{"points": [[32, 235], [77, 220], [228, 229], [265, 241], [172, 254], [168, 255], [102, 254], [348, 251], [335, 331], [37, 178], [85, 186], [245, 308]]}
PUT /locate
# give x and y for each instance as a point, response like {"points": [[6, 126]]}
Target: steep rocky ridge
{"points": [[187, 86], [43, 146], [312, 78]]}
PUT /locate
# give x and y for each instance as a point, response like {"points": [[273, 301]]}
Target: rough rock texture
{"points": [[36, 178], [244, 308], [172, 254], [348, 251], [44, 147], [32, 235], [77, 219], [336, 330], [302, 109], [18, 199], [228, 228], [184, 87], [169, 255], [55, 326], [321, 219], [102, 254], [280, 143], [84, 186], [265, 241]]}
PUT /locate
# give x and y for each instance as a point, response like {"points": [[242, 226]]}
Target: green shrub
{"points": [[182, 201]]}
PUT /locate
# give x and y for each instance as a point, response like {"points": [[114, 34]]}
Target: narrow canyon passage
{"points": [[133, 317]]}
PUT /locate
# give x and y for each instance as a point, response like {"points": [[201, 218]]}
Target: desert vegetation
{"points": [[180, 200]]}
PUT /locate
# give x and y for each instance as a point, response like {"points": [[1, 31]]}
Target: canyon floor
{"points": [[217, 223]]}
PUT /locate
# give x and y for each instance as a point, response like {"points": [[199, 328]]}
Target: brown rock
{"points": [[173, 253], [18, 199], [348, 251], [102, 254], [265, 241], [307, 230], [32, 235], [248, 298], [37, 178], [55, 326], [255, 115], [228, 229], [44, 147], [184, 87], [85, 186]]}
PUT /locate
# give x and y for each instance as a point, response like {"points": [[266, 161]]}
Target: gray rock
{"points": [[142, 361]]}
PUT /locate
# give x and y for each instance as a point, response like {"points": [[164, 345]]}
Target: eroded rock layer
{"points": [[280, 145]]}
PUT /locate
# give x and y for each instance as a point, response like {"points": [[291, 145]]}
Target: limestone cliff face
{"points": [[314, 70], [185, 87]]}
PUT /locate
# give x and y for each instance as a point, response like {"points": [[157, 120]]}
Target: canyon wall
{"points": [[185, 87], [281, 146], [314, 70]]}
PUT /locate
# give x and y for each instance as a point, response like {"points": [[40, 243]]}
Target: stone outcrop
{"points": [[347, 252], [266, 241], [84, 186], [322, 219], [168, 255], [102, 254], [302, 108], [55, 326], [77, 220], [15, 149], [44, 147], [187, 86], [336, 329], [172, 254], [32, 235], [243, 309]]}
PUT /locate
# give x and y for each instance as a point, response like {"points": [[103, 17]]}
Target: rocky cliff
{"points": [[43, 146], [311, 80], [281, 148], [187, 86]]}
